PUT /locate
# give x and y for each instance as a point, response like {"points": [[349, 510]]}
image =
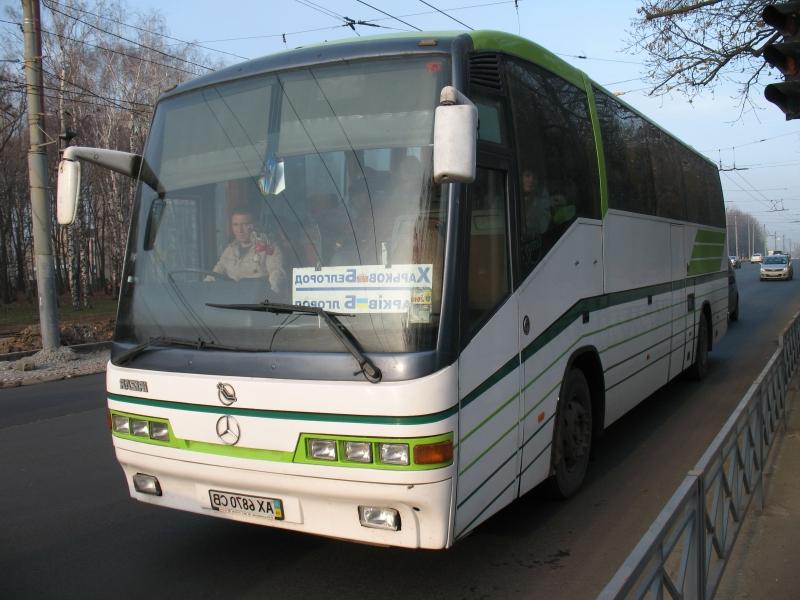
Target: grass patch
{"points": [[23, 313]]}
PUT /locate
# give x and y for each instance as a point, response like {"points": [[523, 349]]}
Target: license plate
{"points": [[266, 508]]}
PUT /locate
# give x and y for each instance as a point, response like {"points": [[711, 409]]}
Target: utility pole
{"points": [[37, 172], [736, 234]]}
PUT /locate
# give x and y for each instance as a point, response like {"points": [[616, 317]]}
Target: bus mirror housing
{"points": [[69, 181], [455, 134]]}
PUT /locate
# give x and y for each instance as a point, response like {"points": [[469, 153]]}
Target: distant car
{"points": [[735, 262], [776, 266], [756, 258], [733, 296]]}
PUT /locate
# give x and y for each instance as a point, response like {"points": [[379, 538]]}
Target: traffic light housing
{"points": [[784, 56]]}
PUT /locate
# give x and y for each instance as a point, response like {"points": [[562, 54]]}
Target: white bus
{"points": [[348, 311]]}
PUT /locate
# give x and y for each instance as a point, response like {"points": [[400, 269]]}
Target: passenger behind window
{"points": [[536, 203]]}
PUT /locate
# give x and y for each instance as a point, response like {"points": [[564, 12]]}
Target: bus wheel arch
{"points": [[704, 342], [587, 359], [577, 415]]}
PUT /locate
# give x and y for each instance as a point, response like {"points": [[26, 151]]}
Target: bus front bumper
{"points": [[327, 507]]}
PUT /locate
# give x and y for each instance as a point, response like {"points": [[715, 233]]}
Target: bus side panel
{"points": [[572, 271], [637, 248], [489, 380]]}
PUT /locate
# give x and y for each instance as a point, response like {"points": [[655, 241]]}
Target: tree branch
{"points": [[682, 10]]}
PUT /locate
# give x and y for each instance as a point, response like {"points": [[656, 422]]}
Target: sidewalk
{"points": [[765, 562]]}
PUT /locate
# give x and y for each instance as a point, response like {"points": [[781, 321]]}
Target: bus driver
{"points": [[251, 254]]}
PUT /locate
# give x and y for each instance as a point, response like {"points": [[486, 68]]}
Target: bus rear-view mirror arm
{"points": [[69, 175], [455, 133]]}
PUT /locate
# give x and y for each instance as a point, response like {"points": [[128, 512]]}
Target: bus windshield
{"points": [[311, 187]]}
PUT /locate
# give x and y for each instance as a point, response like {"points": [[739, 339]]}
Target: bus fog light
{"points": [[159, 431], [379, 518], [323, 449], [394, 454], [140, 427], [146, 484], [120, 424], [358, 451]]}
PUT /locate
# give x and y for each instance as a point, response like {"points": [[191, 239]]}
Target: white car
{"points": [[756, 258], [776, 266]]}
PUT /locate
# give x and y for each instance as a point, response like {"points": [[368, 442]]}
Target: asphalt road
{"points": [[69, 530]]}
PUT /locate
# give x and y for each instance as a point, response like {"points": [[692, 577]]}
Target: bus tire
{"points": [[699, 368], [572, 437], [735, 314]]}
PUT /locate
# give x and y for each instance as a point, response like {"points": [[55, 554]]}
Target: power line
{"points": [[51, 97], [22, 84], [446, 15], [123, 23], [92, 92], [775, 137], [611, 60], [119, 52], [388, 15], [348, 22], [321, 9], [116, 35]]}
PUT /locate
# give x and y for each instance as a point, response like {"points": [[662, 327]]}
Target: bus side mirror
{"points": [[455, 133], [69, 180]]}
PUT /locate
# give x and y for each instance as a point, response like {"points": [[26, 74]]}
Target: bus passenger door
{"points": [[488, 368], [679, 311]]}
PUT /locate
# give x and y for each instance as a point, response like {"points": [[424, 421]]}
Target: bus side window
{"points": [[556, 157], [488, 280]]}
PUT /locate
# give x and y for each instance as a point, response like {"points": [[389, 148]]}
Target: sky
{"points": [[766, 172]]}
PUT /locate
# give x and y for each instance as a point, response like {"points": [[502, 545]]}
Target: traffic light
{"points": [[785, 56]]}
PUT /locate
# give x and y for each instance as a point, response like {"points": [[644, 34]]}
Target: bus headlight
{"points": [[140, 428], [120, 424], [358, 452], [159, 431], [323, 449], [394, 454]]}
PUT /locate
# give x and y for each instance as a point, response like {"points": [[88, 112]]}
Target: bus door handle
{"points": [[526, 325]]}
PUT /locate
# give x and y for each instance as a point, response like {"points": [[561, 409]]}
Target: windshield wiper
{"points": [[368, 368], [166, 342]]}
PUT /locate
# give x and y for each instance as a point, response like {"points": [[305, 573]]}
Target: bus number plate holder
{"points": [[257, 506]]}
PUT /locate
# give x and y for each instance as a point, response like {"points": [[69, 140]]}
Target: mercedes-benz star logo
{"points": [[226, 393], [228, 430]]}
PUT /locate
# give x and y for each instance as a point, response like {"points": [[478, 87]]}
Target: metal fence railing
{"points": [[684, 553]]}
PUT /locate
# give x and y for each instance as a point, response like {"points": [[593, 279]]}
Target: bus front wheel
{"points": [[572, 439]]}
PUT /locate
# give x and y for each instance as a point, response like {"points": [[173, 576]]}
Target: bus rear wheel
{"points": [[572, 439]]}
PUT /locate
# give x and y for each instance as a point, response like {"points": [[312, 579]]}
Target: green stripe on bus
{"points": [[704, 265], [194, 446], [707, 251], [290, 415], [598, 144], [704, 235]]}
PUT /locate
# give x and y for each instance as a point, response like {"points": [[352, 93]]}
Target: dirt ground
{"points": [[87, 329]]}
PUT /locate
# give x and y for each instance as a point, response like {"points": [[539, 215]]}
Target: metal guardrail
{"points": [[685, 551]]}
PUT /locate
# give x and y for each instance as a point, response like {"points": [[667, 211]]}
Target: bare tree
{"points": [[695, 45], [105, 66]]}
